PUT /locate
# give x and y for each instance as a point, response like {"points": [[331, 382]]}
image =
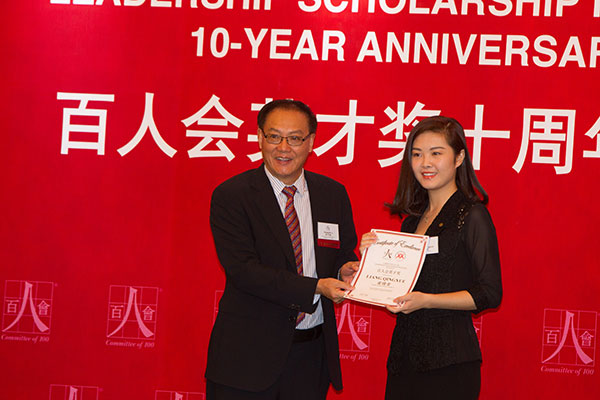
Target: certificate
{"points": [[389, 267]]}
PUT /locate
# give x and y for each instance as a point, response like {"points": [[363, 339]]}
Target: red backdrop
{"points": [[120, 117]]}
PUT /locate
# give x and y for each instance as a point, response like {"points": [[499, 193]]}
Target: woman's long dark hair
{"points": [[411, 197]]}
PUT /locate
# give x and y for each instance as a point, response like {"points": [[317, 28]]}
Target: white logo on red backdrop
{"points": [[95, 133], [551, 132], [569, 338], [72, 392], [131, 314], [478, 325], [172, 395], [546, 129], [354, 330], [27, 310], [208, 136]]}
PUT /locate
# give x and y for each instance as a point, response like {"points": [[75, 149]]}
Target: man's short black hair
{"points": [[288, 104]]}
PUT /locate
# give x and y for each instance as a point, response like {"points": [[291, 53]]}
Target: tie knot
{"points": [[289, 191]]}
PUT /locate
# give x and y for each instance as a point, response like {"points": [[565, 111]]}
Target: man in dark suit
{"points": [[283, 236]]}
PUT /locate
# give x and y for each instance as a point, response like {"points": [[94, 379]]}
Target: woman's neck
{"points": [[437, 199]]}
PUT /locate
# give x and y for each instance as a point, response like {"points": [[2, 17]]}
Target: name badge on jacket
{"points": [[328, 235], [433, 245]]}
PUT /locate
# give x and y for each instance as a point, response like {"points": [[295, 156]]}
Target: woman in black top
{"points": [[434, 351]]}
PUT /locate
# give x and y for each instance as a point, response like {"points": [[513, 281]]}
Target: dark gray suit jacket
{"points": [[253, 332]]}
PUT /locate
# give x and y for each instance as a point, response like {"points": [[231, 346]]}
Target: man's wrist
{"points": [[318, 289]]}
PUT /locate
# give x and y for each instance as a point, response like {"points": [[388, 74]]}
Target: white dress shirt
{"points": [[309, 266]]}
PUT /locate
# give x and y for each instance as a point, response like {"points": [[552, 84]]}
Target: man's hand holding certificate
{"points": [[389, 267]]}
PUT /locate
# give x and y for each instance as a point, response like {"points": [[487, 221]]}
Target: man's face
{"points": [[285, 162]]}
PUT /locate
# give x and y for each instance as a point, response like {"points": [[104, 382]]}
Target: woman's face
{"points": [[434, 163]]}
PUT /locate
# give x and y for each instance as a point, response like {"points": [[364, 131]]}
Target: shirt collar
{"points": [[278, 186]]}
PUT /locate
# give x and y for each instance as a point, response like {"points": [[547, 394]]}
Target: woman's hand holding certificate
{"points": [[389, 267]]}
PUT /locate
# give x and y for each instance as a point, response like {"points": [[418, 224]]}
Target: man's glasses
{"points": [[292, 140]]}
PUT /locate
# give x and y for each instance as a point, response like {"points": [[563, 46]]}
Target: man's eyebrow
{"points": [[292, 133]]}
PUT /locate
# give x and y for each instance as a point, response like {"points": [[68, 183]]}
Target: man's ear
{"points": [[311, 141], [261, 137]]}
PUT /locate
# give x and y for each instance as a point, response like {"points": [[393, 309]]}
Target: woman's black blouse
{"points": [[467, 259]]}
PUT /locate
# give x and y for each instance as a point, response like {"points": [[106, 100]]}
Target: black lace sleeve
{"points": [[482, 248]]}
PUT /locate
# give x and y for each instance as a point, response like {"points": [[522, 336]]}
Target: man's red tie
{"points": [[293, 226]]}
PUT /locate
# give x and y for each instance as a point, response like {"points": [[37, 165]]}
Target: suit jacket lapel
{"points": [[266, 202], [316, 192]]}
